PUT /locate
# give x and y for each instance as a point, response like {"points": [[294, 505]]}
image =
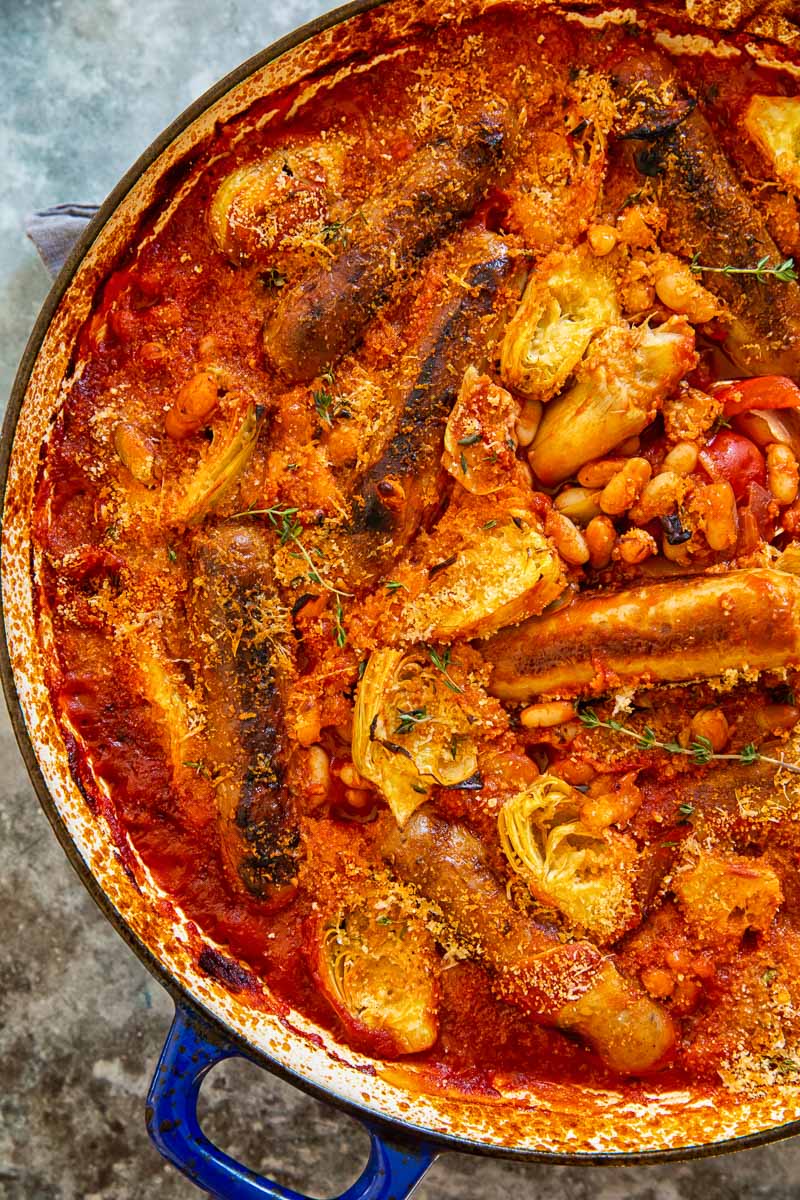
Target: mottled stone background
{"points": [[85, 86]]}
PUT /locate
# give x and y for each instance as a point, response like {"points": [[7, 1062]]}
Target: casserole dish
{"points": [[562, 1125]]}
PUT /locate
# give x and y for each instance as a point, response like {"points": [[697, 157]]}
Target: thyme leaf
{"points": [[328, 406], [339, 631], [335, 231], [410, 718], [442, 662], [323, 403], [198, 766]]}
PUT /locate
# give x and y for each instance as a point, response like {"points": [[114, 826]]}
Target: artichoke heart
{"points": [[618, 390], [217, 471], [264, 205], [586, 874], [501, 572], [773, 123], [376, 968], [410, 731], [560, 313]]}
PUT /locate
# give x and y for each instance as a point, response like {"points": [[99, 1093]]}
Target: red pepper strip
{"points": [[765, 391], [735, 458]]}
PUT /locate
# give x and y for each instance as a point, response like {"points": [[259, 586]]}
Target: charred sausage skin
{"points": [[711, 215], [241, 672], [325, 314], [394, 495]]}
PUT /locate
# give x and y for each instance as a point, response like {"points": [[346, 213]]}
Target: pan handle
{"points": [[392, 1172]]}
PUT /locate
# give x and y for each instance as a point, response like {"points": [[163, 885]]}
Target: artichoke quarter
{"points": [[586, 874], [218, 471], [617, 392], [773, 123], [376, 966], [410, 730], [560, 312]]}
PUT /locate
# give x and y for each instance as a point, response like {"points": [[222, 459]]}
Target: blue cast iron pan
{"points": [[400, 1153]]}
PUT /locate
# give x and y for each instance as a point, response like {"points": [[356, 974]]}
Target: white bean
{"points": [[682, 459], [569, 541], [546, 714], [528, 422]]}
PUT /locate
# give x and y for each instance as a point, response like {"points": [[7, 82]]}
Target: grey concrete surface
{"points": [[85, 86]]}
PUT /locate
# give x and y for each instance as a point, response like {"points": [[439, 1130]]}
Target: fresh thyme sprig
{"points": [[700, 750], [785, 272], [339, 631], [198, 766], [289, 529], [339, 231], [411, 717], [442, 662]]}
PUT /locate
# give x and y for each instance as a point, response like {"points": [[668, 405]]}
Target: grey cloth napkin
{"points": [[54, 231]]}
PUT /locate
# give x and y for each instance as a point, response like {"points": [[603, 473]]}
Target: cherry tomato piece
{"points": [[735, 458], [765, 391]]}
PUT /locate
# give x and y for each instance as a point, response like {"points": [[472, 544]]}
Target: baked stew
{"points": [[419, 538]]}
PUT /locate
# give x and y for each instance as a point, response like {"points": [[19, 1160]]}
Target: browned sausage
{"points": [[394, 495], [710, 214], [662, 632], [567, 984], [324, 315], [228, 605]]}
